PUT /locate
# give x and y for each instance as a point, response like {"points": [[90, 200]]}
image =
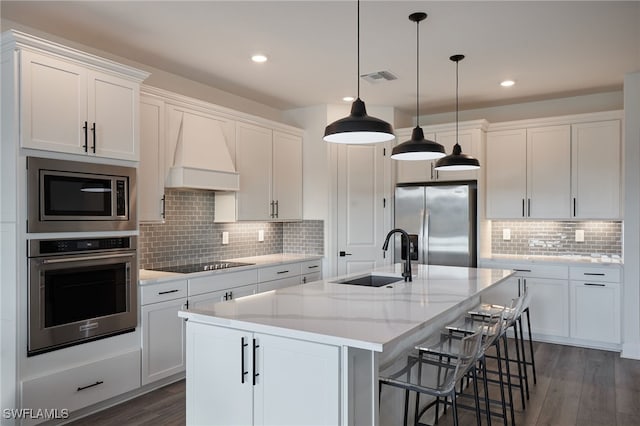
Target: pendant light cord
{"points": [[417, 73], [358, 38], [457, 63]]}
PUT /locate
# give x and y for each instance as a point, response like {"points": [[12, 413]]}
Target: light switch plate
{"points": [[225, 237], [261, 235], [579, 235], [506, 234]]}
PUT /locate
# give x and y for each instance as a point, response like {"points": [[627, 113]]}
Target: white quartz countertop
{"points": [[148, 276], [356, 316]]}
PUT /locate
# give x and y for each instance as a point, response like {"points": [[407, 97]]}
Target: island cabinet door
{"points": [[218, 393], [298, 382]]}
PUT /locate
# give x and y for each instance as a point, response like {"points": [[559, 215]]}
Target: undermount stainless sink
{"points": [[371, 280]]}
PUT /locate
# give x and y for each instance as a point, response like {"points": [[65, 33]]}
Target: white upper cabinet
{"points": [[287, 175], [69, 106], [270, 166], [506, 172], [548, 172], [151, 169], [596, 171], [53, 104], [568, 169], [254, 162], [528, 173], [470, 137]]}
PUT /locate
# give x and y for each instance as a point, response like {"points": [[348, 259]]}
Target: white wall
{"points": [[631, 246], [607, 101]]}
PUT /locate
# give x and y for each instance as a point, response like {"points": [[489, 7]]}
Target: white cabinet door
{"points": [[254, 163], [53, 104], [595, 311], [112, 114], [298, 382], [596, 170], [163, 340], [548, 172], [218, 391], [289, 382], [151, 169], [506, 174], [287, 176], [413, 171], [549, 306]]}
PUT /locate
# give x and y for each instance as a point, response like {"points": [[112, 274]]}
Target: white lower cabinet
{"points": [[595, 303], [83, 385], [549, 306], [237, 377], [575, 304], [595, 309], [221, 295], [163, 333]]}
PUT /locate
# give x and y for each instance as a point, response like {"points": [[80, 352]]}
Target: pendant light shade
{"points": [[418, 148], [457, 160], [358, 127]]}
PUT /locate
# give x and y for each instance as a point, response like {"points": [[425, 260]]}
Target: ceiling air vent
{"points": [[378, 76]]}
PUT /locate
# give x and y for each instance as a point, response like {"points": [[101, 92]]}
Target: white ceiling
{"points": [[550, 48]]}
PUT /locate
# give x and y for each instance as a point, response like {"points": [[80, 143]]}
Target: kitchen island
{"points": [[311, 354]]}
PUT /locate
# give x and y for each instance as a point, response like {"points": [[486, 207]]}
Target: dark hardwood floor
{"points": [[576, 386]]}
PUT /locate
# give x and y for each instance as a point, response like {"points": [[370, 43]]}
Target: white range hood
{"points": [[201, 158]]}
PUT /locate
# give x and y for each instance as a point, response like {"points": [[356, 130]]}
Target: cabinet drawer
{"points": [[524, 270], [222, 281], [603, 273], [277, 272], [161, 292], [84, 385], [311, 266], [276, 284]]}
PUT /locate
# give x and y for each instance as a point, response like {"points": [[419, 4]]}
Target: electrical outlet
{"points": [[225, 237], [261, 235], [579, 235], [506, 234]]}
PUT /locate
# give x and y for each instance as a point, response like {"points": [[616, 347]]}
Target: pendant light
{"points": [[457, 160], [358, 127], [417, 148]]}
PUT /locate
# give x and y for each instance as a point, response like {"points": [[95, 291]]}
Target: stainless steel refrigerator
{"points": [[440, 219]]}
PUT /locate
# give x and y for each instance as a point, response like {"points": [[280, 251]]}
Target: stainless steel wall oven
{"points": [[80, 289], [77, 196]]}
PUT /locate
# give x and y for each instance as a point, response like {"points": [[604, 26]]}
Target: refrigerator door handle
{"points": [[425, 238]]}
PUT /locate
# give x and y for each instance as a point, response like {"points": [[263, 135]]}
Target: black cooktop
{"points": [[200, 267]]}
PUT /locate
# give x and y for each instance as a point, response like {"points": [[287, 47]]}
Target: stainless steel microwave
{"points": [[76, 196]]}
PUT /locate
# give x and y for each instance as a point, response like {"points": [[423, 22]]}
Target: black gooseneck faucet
{"points": [[405, 240]]}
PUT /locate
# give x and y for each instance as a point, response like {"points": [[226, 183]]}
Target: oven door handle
{"points": [[82, 258]]}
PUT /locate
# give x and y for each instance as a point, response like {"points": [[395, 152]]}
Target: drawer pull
{"points": [[167, 292], [594, 284], [282, 272], [599, 274], [522, 270], [314, 266], [81, 388]]}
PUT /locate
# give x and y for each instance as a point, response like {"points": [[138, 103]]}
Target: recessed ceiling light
{"points": [[348, 99], [507, 83], [259, 58]]}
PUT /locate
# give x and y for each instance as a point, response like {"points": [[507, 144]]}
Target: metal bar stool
{"points": [[442, 384]]}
